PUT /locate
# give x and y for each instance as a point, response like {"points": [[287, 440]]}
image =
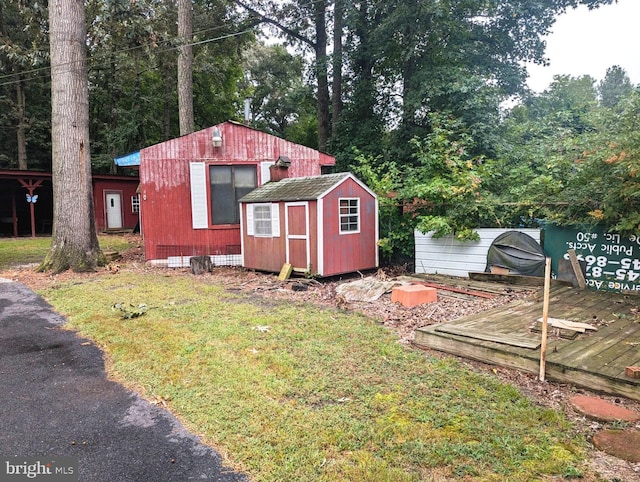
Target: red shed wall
{"points": [[166, 192], [240, 144], [127, 187], [345, 253], [166, 220]]}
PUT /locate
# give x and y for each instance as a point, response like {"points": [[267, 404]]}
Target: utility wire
{"points": [[146, 45], [48, 68]]}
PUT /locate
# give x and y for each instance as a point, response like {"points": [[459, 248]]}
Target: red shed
{"points": [[323, 225], [116, 202], [190, 187]]}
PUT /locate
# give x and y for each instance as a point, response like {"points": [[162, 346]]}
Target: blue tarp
{"points": [[128, 160]]}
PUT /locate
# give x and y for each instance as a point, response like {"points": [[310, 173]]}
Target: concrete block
{"points": [[412, 295], [632, 372]]}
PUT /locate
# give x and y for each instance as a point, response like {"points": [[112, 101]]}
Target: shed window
{"points": [[263, 220], [135, 203], [228, 184], [349, 215]]}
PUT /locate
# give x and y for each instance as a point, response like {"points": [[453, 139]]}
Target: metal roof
{"points": [[295, 189]]}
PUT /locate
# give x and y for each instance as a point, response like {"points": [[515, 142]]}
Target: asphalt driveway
{"points": [[56, 401]]}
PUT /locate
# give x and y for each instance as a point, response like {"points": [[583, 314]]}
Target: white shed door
{"points": [[114, 210]]}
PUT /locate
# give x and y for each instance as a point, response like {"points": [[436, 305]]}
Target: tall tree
{"points": [[303, 23], [615, 86], [185, 66], [74, 243], [23, 38], [336, 83], [279, 100]]}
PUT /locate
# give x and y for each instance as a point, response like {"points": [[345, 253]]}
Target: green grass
{"points": [[296, 393], [20, 251]]}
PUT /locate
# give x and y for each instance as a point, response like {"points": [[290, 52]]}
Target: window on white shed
{"points": [[349, 215]]}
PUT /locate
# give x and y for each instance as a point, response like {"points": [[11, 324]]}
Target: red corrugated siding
{"points": [[126, 186], [349, 252], [165, 186], [240, 143], [165, 200]]}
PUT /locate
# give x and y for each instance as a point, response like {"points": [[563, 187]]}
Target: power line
{"points": [[146, 45], [48, 68]]}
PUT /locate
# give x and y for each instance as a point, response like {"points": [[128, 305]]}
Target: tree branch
{"points": [[265, 19]]}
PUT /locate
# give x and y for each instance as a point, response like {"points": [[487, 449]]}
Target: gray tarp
{"points": [[518, 252]]}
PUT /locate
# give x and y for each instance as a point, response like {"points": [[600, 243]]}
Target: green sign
{"points": [[613, 261]]}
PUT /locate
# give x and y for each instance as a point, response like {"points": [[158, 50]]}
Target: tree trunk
{"points": [[321, 68], [22, 126], [185, 67], [167, 70], [336, 86], [74, 243]]}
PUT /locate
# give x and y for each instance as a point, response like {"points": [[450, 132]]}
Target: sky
{"points": [[586, 42]]}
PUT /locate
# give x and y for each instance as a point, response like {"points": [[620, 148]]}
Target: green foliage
{"points": [[606, 185], [25, 106], [446, 181], [280, 102], [569, 159], [615, 86], [383, 178]]}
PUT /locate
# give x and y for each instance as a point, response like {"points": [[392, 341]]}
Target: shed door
{"points": [[114, 210], [298, 247]]}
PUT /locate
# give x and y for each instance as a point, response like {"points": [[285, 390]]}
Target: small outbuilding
{"points": [[26, 202], [190, 187], [322, 225]]}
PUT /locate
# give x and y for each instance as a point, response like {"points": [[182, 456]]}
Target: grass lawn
{"points": [[17, 251], [298, 393]]}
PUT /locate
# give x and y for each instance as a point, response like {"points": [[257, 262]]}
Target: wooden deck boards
{"points": [[596, 360]]}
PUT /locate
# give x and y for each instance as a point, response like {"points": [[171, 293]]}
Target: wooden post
{"points": [[545, 317], [14, 214], [31, 186]]}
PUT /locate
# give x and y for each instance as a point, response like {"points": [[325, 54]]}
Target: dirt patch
{"points": [[266, 288]]}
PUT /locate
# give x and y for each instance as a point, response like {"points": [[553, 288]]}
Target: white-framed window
{"points": [[263, 220], [349, 215], [135, 203]]}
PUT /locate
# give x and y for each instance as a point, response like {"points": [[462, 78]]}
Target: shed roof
{"points": [[296, 189]]}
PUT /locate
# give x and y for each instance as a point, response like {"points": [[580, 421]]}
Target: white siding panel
{"points": [[250, 228], [199, 209], [456, 258], [275, 220], [265, 172]]}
